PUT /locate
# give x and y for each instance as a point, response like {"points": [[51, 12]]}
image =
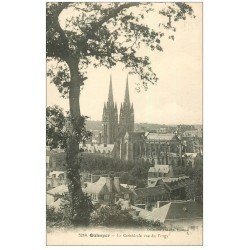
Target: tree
{"points": [[101, 35], [58, 128], [58, 131], [55, 127]]}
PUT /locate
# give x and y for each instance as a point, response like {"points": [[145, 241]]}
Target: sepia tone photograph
{"points": [[124, 123]]}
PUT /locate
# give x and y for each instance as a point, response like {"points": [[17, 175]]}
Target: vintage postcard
{"points": [[124, 132]]}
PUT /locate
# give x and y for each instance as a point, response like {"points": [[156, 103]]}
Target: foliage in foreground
{"points": [[114, 216], [60, 217], [64, 216], [58, 128], [104, 215]]}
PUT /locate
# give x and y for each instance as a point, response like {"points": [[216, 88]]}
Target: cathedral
{"points": [[119, 139], [130, 145]]}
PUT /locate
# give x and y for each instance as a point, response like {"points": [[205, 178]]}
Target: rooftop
{"points": [[174, 210], [95, 187], [161, 137], [62, 189], [56, 173], [192, 133], [100, 148], [191, 155], [159, 168], [136, 135], [149, 191], [176, 182]]}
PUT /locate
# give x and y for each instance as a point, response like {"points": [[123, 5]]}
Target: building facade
{"points": [[162, 149]]}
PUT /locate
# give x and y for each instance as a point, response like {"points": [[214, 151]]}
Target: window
{"points": [[106, 197]]}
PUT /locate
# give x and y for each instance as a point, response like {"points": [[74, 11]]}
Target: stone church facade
{"points": [[162, 149], [113, 131]]}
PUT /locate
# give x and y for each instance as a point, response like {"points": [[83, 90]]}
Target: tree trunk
{"points": [[81, 207]]}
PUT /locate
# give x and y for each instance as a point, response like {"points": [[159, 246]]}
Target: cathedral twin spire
{"points": [[126, 97], [111, 129]]}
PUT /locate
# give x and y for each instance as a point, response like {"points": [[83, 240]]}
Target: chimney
{"points": [[94, 178], [109, 184], [117, 184]]}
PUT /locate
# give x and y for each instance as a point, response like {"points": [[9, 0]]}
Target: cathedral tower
{"points": [[126, 119], [109, 118]]}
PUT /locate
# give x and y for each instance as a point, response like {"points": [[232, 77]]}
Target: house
{"points": [[188, 159], [193, 140], [176, 186], [174, 211], [100, 189], [56, 178], [148, 196], [59, 190], [161, 189], [106, 189], [159, 171]]}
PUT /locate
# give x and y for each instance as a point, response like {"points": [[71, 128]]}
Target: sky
{"points": [[177, 97]]}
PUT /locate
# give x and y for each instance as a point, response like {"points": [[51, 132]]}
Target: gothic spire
{"points": [[110, 97], [104, 113], [126, 98]]}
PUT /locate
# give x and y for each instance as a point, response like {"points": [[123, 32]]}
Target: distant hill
{"points": [[97, 125]]}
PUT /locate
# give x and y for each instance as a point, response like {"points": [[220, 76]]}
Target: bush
{"points": [[60, 218], [103, 215], [111, 215], [140, 222], [52, 215], [64, 217], [114, 216]]}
